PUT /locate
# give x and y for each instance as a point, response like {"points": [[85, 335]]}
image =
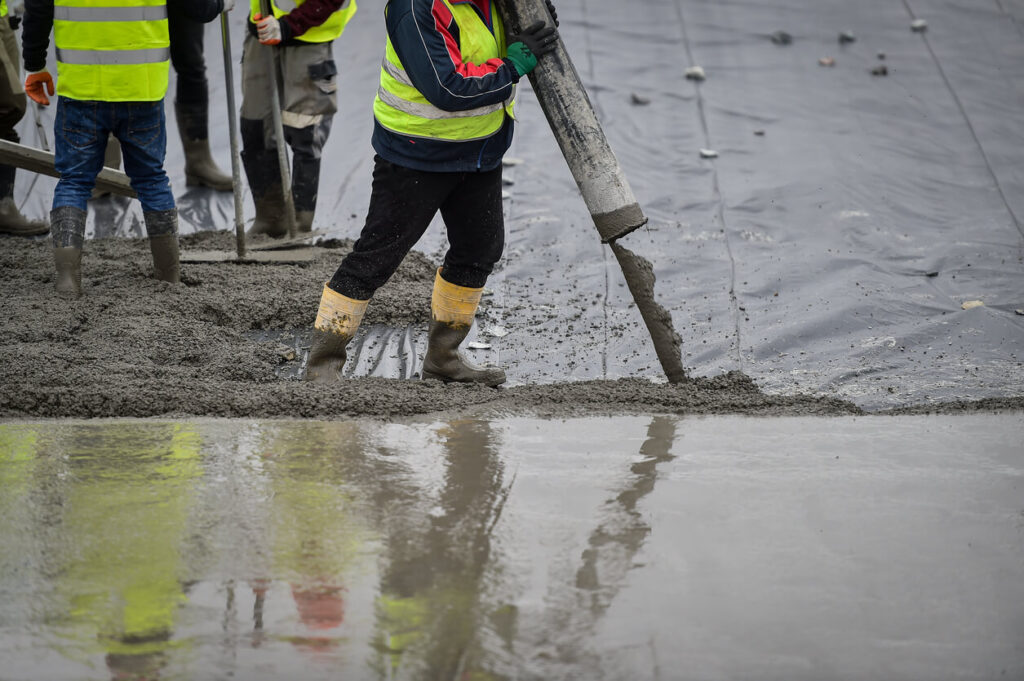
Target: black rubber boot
{"points": [[261, 167], [68, 228], [336, 323], [162, 228], [269, 215], [444, 362], [200, 168], [304, 221], [11, 220]]}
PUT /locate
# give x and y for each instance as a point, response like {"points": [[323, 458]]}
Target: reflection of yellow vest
{"points": [[401, 108], [127, 515], [324, 33], [119, 52]]}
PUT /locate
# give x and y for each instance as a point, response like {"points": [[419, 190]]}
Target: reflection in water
{"points": [[429, 608], [342, 549], [611, 550]]}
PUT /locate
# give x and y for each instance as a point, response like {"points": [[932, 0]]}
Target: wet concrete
{"points": [[133, 346], [231, 341], [647, 547]]}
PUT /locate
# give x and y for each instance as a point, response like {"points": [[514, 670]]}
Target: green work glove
{"points": [[521, 57]]}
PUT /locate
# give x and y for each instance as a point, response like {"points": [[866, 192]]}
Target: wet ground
{"points": [[588, 520], [830, 255], [629, 548]]}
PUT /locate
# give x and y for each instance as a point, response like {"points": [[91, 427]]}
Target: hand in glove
{"points": [[37, 85], [270, 30], [551, 10], [228, 6], [539, 39]]}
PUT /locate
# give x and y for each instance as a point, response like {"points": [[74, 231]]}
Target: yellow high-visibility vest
{"points": [[117, 52], [401, 108], [324, 33]]}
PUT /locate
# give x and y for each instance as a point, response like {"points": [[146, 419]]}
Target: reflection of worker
{"points": [[443, 121], [429, 611], [127, 516], [309, 101], [112, 67], [12, 108]]}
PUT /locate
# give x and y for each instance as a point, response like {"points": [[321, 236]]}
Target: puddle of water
{"points": [[633, 547]]}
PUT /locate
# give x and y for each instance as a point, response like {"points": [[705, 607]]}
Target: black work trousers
{"points": [[187, 56], [403, 201]]}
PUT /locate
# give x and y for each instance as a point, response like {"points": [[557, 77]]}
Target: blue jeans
{"points": [[80, 138]]}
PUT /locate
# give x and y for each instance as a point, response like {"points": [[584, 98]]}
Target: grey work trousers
{"points": [[309, 101]]}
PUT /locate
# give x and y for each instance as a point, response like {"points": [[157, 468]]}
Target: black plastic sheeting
{"points": [[831, 254]]}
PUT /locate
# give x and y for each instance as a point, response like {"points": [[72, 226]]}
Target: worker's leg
{"points": [[12, 109], [191, 105], [476, 234], [402, 204], [142, 131], [259, 155], [80, 139], [310, 101]]}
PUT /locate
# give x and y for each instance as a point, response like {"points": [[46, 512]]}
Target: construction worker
{"points": [[192, 101], [443, 121], [309, 100], [112, 75], [12, 109]]}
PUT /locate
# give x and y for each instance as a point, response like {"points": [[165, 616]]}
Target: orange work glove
{"points": [[38, 85], [268, 29]]}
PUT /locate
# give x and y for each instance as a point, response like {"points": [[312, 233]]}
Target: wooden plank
{"points": [[42, 162]]}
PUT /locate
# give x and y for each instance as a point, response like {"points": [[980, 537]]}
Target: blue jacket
{"points": [[426, 39]]}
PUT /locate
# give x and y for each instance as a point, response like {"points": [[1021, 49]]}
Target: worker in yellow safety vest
{"points": [[112, 74], [443, 121], [302, 32]]}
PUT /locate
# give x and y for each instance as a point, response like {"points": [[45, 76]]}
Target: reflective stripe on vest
{"points": [[112, 50], [401, 108], [325, 32], [64, 13]]}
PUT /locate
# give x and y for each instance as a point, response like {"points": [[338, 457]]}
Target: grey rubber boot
{"points": [[14, 223], [327, 356], [11, 220], [337, 320], [444, 362], [68, 262], [269, 215], [200, 168], [68, 228], [162, 228]]}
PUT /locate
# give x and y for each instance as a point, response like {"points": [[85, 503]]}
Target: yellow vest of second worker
{"points": [[112, 50], [401, 108], [324, 33]]}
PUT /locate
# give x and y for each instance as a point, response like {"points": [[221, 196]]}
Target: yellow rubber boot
{"points": [[452, 309], [336, 323]]}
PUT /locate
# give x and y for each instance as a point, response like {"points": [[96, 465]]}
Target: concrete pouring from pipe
{"points": [[636, 547]]}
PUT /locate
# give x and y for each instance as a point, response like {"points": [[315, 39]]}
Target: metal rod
{"points": [[275, 111], [236, 161]]}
